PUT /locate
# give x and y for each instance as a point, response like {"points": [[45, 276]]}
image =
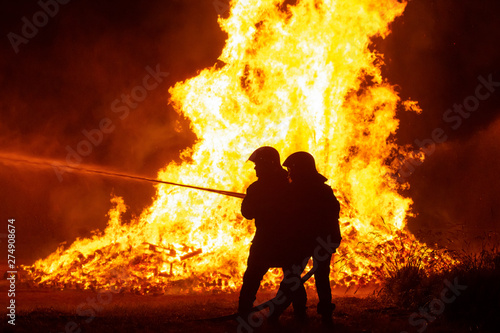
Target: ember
{"points": [[297, 78]]}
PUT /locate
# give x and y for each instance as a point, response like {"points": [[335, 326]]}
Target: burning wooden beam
{"points": [[192, 254]]}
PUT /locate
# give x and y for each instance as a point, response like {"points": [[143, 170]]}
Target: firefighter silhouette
{"points": [[296, 218], [266, 202], [313, 229]]}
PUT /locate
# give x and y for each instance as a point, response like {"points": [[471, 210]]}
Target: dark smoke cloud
{"points": [[456, 190], [435, 54], [64, 81]]}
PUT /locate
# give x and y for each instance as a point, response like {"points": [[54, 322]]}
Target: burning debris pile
{"points": [[296, 77]]}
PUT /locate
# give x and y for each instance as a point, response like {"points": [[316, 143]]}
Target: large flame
{"points": [[296, 77]]}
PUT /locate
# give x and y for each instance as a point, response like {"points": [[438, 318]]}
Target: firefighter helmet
{"points": [[265, 155], [302, 162]]}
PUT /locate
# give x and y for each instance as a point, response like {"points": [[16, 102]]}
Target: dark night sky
{"points": [[65, 79]]}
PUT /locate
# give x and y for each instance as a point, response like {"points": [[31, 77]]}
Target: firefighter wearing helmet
{"points": [[315, 223], [265, 201]]}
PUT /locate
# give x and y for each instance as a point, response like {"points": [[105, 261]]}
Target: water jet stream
{"points": [[64, 166]]}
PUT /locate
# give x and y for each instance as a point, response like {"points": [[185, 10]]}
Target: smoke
{"points": [[436, 54], [90, 86], [460, 194]]}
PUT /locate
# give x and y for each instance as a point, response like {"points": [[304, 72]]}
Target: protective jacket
{"points": [[315, 214], [267, 202]]}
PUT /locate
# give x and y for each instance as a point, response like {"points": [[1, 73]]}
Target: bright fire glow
{"points": [[296, 77]]}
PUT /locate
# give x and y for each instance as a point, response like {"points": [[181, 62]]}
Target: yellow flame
{"points": [[296, 77]]}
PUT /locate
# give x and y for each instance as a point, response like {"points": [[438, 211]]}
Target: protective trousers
{"points": [[257, 267], [322, 278]]}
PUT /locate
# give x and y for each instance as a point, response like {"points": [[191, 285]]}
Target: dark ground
{"points": [[48, 310]]}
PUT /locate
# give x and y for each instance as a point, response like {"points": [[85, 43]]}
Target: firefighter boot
{"points": [[326, 311]]}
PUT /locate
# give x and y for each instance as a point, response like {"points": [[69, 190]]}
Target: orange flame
{"points": [[298, 77]]}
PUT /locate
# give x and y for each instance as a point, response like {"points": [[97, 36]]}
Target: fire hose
{"points": [[57, 164], [262, 306]]}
